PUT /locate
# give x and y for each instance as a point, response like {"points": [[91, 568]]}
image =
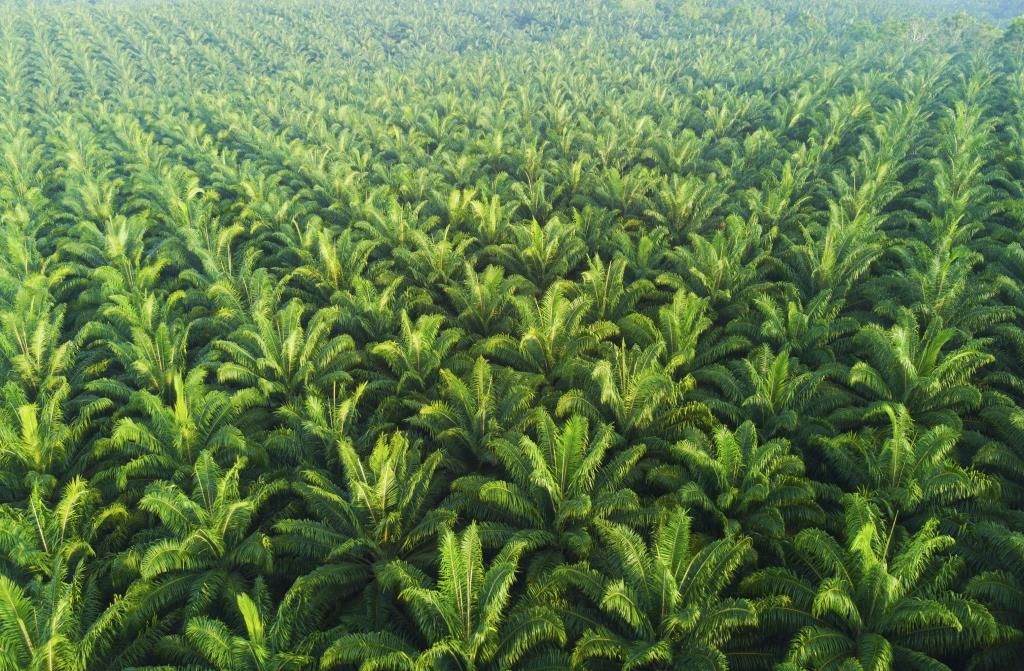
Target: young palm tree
{"points": [[872, 601], [483, 301], [470, 414], [904, 365], [31, 340], [207, 547], [154, 441], [727, 269], [554, 490], [660, 604], [38, 444], [905, 470], [147, 339], [417, 356], [52, 610], [680, 325], [633, 390], [54, 624], [813, 333], [554, 339], [387, 509], [261, 644], [612, 297], [829, 263], [275, 362], [464, 618], [772, 390], [742, 486], [1000, 587], [277, 357], [433, 264], [330, 268]]}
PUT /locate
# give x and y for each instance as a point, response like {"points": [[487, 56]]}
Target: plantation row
{"points": [[501, 335]]}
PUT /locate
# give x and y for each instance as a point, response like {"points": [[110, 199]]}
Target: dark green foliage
{"points": [[497, 335]]}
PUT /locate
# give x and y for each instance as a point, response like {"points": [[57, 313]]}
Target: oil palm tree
{"points": [[870, 599], [207, 546], [660, 603], [416, 357], [773, 390], [905, 470], [554, 490], [742, 486], [491, 403], [634, 391], [1000, 552], [483, 301], [465, 617], [40, 446], [612, 297], [386, 509], [727, 269], [554, 339], [56, 624], [154, 441], [276, 358], [31, 339], [905, 365], [260, 644], [541, 254], [52, 610]]}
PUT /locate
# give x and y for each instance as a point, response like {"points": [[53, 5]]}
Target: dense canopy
{"points": [[497, 335]]}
